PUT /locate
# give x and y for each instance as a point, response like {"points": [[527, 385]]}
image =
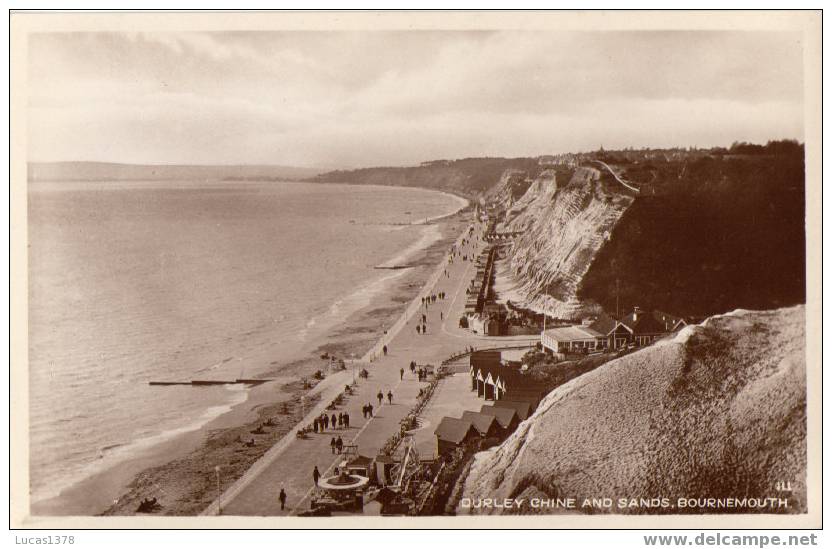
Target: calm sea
{"points": [[139, 281]]}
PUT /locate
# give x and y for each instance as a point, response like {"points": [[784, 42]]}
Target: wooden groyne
{"points": [[204, 382]]}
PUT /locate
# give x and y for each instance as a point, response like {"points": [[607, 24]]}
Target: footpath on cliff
{"points": [[289, 464]]}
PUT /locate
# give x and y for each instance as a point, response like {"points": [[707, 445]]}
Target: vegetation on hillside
{"points": [[709, 235], [468, 177]]}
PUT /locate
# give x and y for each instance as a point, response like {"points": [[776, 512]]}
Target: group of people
{"points": [[380, 397], [368, 410], [419, 372], [336, 444], [427, 300], [322, 423]]}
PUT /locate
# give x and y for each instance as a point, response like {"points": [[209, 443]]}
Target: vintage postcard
{"points": [[415, 269]]}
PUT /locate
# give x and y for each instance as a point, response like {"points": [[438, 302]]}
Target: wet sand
{"points": [[180, 473]]}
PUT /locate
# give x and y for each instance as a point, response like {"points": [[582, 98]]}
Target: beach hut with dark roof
{"points": [[523, 409], [532, 394], [485, 358], [486, 425], [452, 433], [506, 417]]}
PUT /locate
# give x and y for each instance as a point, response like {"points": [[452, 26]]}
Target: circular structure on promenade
{"points": [[343, 482]]}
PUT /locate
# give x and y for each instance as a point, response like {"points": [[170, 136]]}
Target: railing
{"points": [[456, 356]]}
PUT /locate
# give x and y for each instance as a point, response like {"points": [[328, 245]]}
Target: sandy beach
{"points": [[180, 472]]}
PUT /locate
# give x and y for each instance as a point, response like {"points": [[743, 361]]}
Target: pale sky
{"points": [[346, 99]]}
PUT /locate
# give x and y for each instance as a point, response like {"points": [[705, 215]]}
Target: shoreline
{"points": [[118, 489]]}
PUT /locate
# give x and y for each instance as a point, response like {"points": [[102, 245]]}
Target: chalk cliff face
{"points": [[719, 411], [564, 224]]}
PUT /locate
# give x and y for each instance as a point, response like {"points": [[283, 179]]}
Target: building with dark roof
{"points": [[506, 417], [452, 433], [523, 409], [486, 425]]}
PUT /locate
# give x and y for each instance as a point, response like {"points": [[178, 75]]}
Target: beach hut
{"points": [[383, 469], [452, 433], [531, 394], [486, 425], [506, 417], [523, 409]]}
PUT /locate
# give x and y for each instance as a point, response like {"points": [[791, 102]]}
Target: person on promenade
{"points": [[315, 425], [401, 373], [332, 444], [370, 409], [316, 475], [339, 444], [380, 397], [384, 350], [424, 318], [390, 397], [326, 421], [441, 315], [419, 329], [412, 366], [340, 420], [346, 420], [334, 421], [364, 411], [282, 498]]}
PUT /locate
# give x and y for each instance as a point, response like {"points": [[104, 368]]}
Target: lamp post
{"points": [[219, 493]]}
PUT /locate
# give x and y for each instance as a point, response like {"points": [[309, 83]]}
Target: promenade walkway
{"points": [[290, 462]]}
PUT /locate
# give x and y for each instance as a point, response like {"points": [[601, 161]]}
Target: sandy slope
{"points": [[719, 411]]}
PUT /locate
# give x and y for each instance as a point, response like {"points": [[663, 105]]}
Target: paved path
{"points": [[290, 462]]}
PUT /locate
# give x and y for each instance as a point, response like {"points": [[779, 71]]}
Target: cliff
{"points": [[718, 411], [565, 218]]}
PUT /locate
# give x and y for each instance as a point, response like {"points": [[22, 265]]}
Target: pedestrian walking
{"points": [[316, 475], [339, 444], [380, 397], [419, 329], [384, 350], [441, 315], [315, 425], [390, 397], [412, 366], [326, 421], [401, 373], [340, 420], [346, 420], [370, 409], [282, 498], [332, 444], [334, 420]]}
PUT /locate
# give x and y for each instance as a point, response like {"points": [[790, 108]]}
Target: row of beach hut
{"points": [[514, 397]]}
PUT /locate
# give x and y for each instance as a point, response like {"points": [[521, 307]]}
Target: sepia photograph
{"points": [[415, 269]]}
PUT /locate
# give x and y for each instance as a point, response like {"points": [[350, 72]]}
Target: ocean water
{"points": [[137, 281]]}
